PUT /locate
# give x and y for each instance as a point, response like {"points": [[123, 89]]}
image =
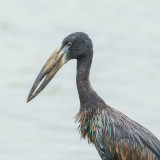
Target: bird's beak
{"points": [[53, 64]]}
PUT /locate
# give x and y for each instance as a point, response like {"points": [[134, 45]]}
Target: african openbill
{"points": [[115, 136]]}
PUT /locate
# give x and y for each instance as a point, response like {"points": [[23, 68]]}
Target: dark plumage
{"points": [[115, 136]]}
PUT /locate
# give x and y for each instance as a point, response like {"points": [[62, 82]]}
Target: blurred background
{"points": [[125, 72]]}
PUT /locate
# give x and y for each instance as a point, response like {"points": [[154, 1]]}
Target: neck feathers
{"points": [[88, 97], [82, 79]]}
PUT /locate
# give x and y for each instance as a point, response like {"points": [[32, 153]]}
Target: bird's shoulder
{"points": [[125, 130]]}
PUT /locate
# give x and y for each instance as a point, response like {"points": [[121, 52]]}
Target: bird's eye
{"points": [[69, 44]]}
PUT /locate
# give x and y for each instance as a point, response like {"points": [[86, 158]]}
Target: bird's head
{"points": [[75, 46]]}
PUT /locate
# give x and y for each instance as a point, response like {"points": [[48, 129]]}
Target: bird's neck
{"points": [[82, 79]]}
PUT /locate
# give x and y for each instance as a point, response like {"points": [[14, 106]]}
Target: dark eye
{"points": [[69, 44]]}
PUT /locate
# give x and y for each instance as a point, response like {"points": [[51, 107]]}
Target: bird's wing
{"points": [[124, 137]]}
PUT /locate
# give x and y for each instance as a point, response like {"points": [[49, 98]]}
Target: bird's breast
{"points": [[90, 123]]}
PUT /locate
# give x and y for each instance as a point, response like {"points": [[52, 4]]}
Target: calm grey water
{"points": [[125, 72]]}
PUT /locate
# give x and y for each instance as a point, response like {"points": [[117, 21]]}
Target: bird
{"points": [[114, 135]]}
